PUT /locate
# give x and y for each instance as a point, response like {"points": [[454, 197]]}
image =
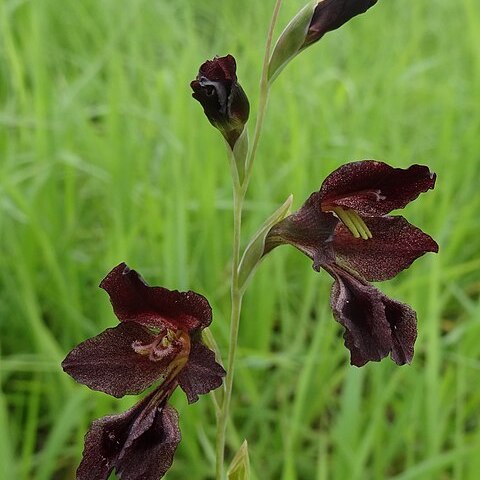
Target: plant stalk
{"points": [[236, 299], [263, 97], [239, 192]]}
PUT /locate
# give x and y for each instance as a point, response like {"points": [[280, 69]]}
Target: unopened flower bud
{"points": [[310, 25], [223, 100]]}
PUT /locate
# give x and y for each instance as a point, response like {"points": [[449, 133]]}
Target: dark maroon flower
{"points": [[158, 338], [139, 443], [221, 96], [332, 14], [344, 228]]}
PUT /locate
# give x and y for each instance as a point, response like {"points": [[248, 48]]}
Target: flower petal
{"points": [[139, 443], [201, 374], [394, 245], [403, 321], [374, 188], [375, 325], [220, 69], [150, 455], [309, 230], [109, 363], [134, 300], [104, 442], [332, 14]]}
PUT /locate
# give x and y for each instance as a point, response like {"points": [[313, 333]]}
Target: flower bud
{"points": [[240, 466], [221, 96], [310, 25], [332, 14]]}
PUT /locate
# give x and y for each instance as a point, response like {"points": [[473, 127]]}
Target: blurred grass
{"points": [[104, 157]]}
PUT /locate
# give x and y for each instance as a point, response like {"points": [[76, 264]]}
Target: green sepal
{"points": [[240, 467], [291, 40], [254, 251], [240, 154]]}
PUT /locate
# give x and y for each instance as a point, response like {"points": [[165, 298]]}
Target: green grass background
{"points": [[105, 157]]}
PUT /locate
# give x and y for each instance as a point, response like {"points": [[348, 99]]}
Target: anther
{"points": [[353, 222], [344, 216]]}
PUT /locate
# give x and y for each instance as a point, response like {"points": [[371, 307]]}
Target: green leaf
{"points": [[254, 251], [290, 41], [7, 463], [240, 466]]}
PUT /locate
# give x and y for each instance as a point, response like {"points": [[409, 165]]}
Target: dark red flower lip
{"points": [[375, 325], [139, 443]]}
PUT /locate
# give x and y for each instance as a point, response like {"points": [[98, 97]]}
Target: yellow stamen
{"points": [[182, 358], [345, 218], [360, 224], [364, 227], [353, 222]]}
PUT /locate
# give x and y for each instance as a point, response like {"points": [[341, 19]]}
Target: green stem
{"points": [[263, 97], [239, 192], [236, 298]]}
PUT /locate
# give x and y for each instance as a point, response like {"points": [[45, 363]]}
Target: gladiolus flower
{"points": [[344, 228], [158, 338], [223, 100]]}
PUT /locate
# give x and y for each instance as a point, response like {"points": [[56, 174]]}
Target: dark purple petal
{"points": [[105, 440], [309, 230], [109, 362], [201, 374], [394, 246], [403, 321], [332, 14], [138, 444], [374, 188], [150, 455], [223, 100], [133, 300], [375, 325], [358, 307], [220, 69]]}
